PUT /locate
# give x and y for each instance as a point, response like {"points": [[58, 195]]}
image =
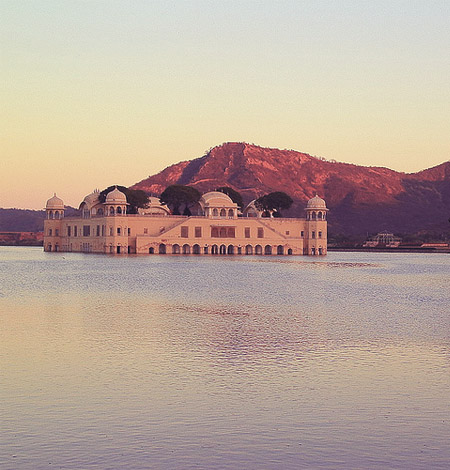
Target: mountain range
{"points": [[361, 199]]}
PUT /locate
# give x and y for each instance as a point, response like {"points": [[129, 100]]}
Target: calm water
{"points": [[165, 362]]}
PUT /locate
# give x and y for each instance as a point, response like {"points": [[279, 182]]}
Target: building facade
{"points": [[385, 238], [216, 227]]}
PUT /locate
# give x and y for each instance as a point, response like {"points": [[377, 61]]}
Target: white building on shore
{"points": [[217, 227]]}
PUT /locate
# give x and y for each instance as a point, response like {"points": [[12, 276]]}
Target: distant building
{"points": [[216, 227], [385, 238]]}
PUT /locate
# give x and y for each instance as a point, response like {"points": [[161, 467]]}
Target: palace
{"points": [[217, 227]]}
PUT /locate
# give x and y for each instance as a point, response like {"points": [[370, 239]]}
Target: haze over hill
{"points": [[361, 199]]}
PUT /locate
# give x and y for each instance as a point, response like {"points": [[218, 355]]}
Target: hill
{"points": [[25, 220], [361, 199], [21, 220]]}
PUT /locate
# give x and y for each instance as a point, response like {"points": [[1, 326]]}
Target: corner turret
{"points": [[316, 227], [54, 210]]}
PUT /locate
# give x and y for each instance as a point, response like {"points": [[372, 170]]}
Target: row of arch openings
{"points": [[221, 250], [317, 215], [55, 214], [223, 213]]}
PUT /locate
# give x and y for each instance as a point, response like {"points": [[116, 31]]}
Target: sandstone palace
{"points": [[217, 226]]}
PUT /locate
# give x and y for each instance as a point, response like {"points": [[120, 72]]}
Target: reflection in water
{"points": [[162, 362]]}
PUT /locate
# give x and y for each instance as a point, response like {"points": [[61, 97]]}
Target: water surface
{"points": [[166, 362]]}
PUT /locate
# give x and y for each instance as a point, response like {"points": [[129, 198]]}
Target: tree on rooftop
{"points": [[273, 203], [177, 195], [232, 194]]}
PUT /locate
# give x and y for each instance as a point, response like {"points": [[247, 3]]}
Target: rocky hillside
{"points": [[361, 199]]}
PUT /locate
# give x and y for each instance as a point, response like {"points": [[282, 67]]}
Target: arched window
{"points": [[320, 251], [223, 250], [230, 213], [319, 215], [267, 250], [313, 251], [176, 249], [186, 249], [56, 214], [50, 216], [215, 212], [313, 215], [111, 210], [214, 250], [280, 250], [258, 250], [119, 210], [230, 250], [162, 249], [151, 250], [249, 250], [223, 213], [290, 251], [100, 211], [196, 249]]}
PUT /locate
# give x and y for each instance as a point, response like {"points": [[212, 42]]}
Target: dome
{"points": [[154, 207], [154, 201], [316, 203], [216, 198], [55, 203], [116, 197], [91, 199]]}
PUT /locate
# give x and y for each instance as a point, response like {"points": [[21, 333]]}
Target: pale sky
{"points": [[95, 93]]}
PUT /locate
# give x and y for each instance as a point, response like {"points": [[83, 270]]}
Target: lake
{"points": [[190, 362]]}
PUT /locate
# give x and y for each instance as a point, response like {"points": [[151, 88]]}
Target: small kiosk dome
{"points": [[116, 197], [55, 203], [316, 203]]}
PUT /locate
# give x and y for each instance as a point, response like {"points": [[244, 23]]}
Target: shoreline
{"points": [[392, 250]]}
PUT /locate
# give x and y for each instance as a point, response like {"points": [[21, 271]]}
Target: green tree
{"points": [[232, 194], [136, 198], [273, 203], [177, 195]]}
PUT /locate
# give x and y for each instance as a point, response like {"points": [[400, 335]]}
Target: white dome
{"points": [[316, 203], [55, 203], [216, 198], [116, 197]]}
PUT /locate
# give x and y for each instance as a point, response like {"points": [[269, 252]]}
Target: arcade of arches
{"points": [[220, 249]]}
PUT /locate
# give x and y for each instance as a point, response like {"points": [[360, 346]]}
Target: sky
{"points": [[95, 93]]}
